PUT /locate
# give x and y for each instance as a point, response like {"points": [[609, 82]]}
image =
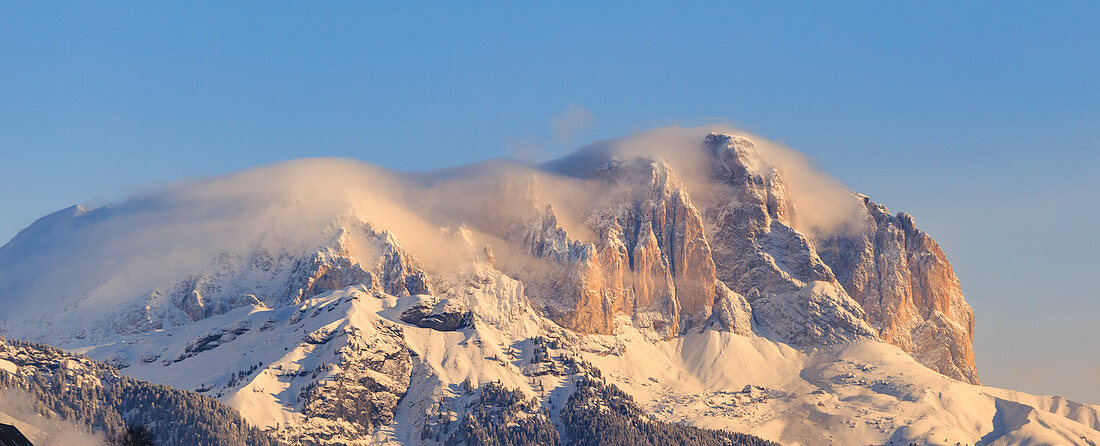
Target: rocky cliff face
{"points": [[884, 272], [739, 260], [759, 253], [651, 260], [902, 278], [667, 264]]}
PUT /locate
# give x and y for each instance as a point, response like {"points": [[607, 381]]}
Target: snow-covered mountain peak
{"points": [[724, 257], [739, 150]]}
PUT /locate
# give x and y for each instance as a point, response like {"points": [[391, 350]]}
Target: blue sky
{"points": [[982, 120]]}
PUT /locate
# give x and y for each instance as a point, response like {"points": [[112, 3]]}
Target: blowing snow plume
{"points": [[150, 251]]}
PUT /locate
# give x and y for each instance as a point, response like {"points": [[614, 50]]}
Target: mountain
{"points": [[698, 282]]}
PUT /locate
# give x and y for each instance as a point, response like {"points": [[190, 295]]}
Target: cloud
{"points": [[118, 253], [527, 150], [823, 204], [571, 121]]}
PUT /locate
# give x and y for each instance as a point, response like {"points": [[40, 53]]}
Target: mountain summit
{"points": [[713, 276]]}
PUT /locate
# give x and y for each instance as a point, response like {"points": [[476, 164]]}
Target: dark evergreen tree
{"points": [[136, 436]]}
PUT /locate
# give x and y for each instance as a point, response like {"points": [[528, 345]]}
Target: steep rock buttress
{"points": [[903, 280]]}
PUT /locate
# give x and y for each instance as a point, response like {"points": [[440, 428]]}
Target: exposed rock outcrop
{"points": [[436, 314], [903, 280], [651, 260], [758, 252], [361, 392]]}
